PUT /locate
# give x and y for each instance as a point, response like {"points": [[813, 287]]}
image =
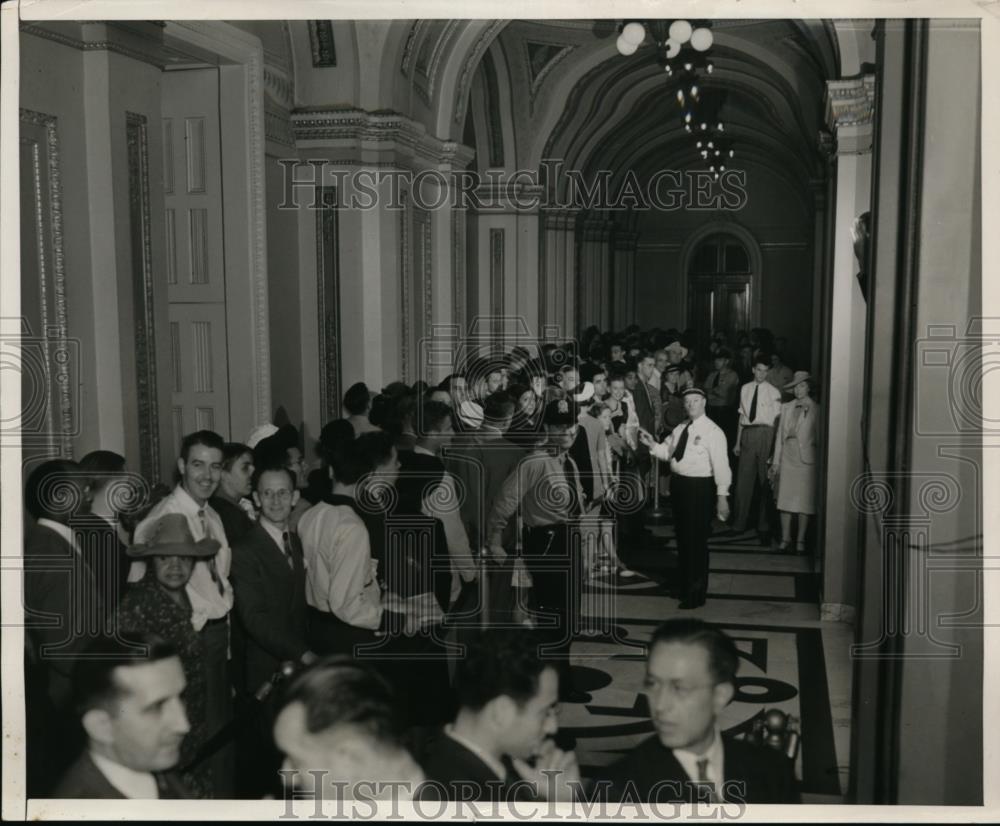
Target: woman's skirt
{"points": [[796, 481]]}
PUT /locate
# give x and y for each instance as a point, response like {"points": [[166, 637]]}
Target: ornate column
{"points": [[624, 279], [557, 288], [849, 108], [595, 274]]}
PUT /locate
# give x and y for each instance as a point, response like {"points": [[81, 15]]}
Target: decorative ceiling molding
{"points": [[278, 86], [321, 41], [540, 59], [428, 63], [850, 109], [378, 131], [119, 39], [483, 42], [411, 40]]}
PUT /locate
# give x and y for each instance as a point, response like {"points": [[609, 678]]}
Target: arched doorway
{"points": [[720, 272]]}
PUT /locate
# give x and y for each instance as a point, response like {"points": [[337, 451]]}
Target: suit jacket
{"points": [[53, 571], [648, 407], [105, 555], [753, 774], [235, 521], [482, 464], [270, 602], [447, 762], [805, 430], [85, 781]]}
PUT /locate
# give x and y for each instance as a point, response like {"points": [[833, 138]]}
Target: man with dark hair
{"points": [[130, 706], [690, 679], [59, 584], [508, 704], [231, 499], [357, 406], [208, 589], [760, 407], [649, 409], [456, 387], [337, 719]]}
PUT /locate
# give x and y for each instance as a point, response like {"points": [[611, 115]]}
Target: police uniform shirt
{"points": [[768, 403], [704, 454], [538, 484]]}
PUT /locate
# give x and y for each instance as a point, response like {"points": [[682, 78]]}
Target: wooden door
{"points": [[192, 183]]}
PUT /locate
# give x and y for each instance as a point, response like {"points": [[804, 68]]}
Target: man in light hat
{"points": [[696, 450], [546, 486]]}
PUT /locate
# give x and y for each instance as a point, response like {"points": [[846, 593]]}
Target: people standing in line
{"points": [[649, 410], [780, 375], [760, 406], [701, 477], [358, 406], [545, 485], [794, 463]]}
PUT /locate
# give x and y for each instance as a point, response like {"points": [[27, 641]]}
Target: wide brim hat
{"points": [[171, 536], [583, 392], [471, 414], [797, 378], [259, 434]]}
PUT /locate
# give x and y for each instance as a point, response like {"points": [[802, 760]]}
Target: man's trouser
{"points": [[756, 445], [693, 500]]}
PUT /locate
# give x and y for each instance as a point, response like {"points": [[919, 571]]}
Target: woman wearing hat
{"points": [[793, 465], [158, 604]]}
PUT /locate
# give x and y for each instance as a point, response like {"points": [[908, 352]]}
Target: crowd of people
{"points": [[387, 571]]}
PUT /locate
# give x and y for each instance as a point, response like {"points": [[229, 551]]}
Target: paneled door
{"points": [[192, 184], [719, 289]]}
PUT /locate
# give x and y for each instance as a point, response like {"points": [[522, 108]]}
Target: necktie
{"points": [[205, 532], [718, 378], [705, 783], [753, 404], [287, 542], [682, 443]]}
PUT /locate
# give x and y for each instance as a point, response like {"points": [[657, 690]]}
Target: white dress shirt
{"points": [[206, 601], [341, 572], [134, 785], [715, 771], [704, 454], [768, 403]]}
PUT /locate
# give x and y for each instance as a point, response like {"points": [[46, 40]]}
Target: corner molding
{"points": [[850, 110]]}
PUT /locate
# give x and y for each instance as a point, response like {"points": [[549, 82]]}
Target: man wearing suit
{"points": [[649, 409], [62, 604], [129, 700], [269, 585], [690, 678], [508, 703]]}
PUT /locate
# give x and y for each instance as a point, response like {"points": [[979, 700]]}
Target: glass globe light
{"points": [[680, 30], [634, 33], [624, 47], [701, 40]]}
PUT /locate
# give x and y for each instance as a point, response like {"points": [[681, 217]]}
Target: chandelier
{"points": [[681, 50]]}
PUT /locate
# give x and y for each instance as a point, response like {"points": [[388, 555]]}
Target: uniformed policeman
{"points": [[696, 449], [546, 486]]}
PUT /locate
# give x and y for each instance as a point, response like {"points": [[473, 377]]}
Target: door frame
{"points": [[724, 227], [241, 116]]}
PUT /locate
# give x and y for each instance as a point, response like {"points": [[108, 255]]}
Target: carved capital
{"points": [[850, 108]]}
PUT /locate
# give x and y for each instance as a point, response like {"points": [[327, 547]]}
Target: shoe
{"points": [[800, 547], [625, 573], [574, 695], [785, 546]]}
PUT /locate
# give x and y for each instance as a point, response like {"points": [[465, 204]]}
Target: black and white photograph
{"points": [[565, 411]]}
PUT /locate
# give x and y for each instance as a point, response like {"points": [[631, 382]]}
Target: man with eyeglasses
{"points": [[269, 582], [690, 679]]}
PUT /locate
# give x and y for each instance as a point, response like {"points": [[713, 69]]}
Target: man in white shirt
{"points": [[760, 407], [209, 590], [690, 679], [134, 719], [508, 714], [696, 450]]}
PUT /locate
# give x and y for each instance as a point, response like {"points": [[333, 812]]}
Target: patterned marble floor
{"points": [[790, 660]]}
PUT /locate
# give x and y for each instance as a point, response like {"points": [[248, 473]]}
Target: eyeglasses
{"points": [[675, 688]]}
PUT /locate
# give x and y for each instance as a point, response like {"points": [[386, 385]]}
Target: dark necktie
{"points": [[705, 783], [718, 378], [682, 443], [753, 404], [287, 542], [211, 560]]}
